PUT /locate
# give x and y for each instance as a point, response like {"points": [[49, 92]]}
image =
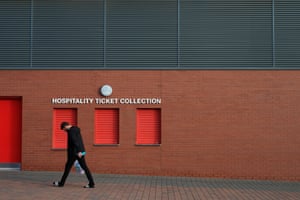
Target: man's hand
{"points": [[79, 154]]}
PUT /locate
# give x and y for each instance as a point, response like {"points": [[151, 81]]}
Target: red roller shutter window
{"points": [[106, 126], [59, 139], [148, 126]]}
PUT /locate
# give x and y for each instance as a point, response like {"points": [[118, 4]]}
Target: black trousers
{"points": [[69, 165]]}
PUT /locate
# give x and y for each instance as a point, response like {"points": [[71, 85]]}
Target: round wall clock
{"points": [[106, 90]]}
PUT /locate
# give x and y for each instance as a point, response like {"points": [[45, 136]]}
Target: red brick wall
{"points": [[231, 123]]}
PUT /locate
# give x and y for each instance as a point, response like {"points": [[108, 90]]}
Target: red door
{"points": [[10, 130]]}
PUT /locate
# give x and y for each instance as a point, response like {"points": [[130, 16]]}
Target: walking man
{"points": [[75, 151]]}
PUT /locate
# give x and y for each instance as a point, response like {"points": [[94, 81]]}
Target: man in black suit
{"points": [[76, 151]]}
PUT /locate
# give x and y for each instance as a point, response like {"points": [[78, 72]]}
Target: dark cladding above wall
{"points": [[67, 34], [146, 34], [14, 33]]}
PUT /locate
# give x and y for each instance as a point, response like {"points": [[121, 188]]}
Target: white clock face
{"points": [[106, 90]]}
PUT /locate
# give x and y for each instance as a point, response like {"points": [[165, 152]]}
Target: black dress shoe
{"points": [[57, 184], [89, 186]]}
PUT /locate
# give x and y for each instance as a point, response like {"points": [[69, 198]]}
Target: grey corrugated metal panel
{"points": [[14, 33], [226, 33], [287, 27], [68, 34], [141, 33]]}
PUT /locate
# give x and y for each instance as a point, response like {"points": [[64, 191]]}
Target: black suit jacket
{"points": [[75, 142]]}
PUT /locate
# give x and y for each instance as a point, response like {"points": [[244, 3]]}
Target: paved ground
{"points": [[38, 185]]}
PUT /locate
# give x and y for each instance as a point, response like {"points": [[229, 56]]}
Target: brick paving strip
{"points": [[16, 185]]}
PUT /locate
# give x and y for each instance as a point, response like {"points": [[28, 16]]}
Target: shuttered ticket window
{"points": [[287, 29], [67, 34], [59, 137], [106, 126], [148, 130], [226, 33], [141, 33]]}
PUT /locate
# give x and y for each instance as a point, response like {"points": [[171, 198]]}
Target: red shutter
{"points": [[106, 126], [148, 126], [59, 139]]}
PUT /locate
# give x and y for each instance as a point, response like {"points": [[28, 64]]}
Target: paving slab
{"points": [[31, 185]]}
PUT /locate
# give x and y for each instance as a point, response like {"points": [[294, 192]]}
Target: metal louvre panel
{"points": [[287, 26], [106, 126], [141, 33], [68, 33], [15, 33], [147, 34], [226, 33]]}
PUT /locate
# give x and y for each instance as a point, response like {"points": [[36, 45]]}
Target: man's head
{"points": [[65, 126]]}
